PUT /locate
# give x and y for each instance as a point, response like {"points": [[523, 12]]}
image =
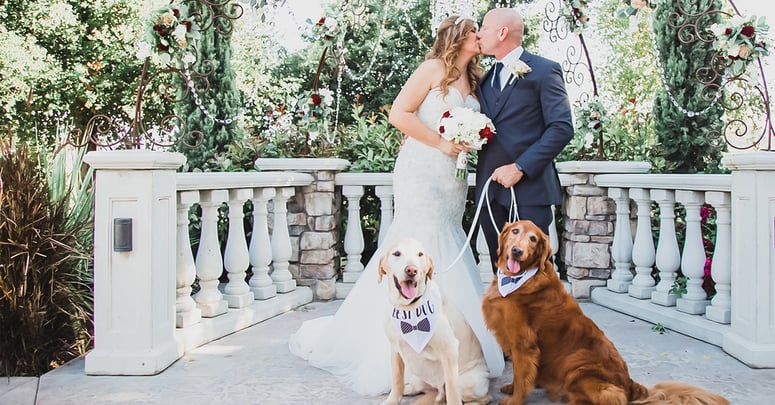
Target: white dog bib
{"points": [[416, 326], [508, 284]]}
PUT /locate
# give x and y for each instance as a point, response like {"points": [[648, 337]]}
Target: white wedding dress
{"points": [[429, 205]]}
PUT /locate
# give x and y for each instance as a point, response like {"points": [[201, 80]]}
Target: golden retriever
{"points": [[429, 339], [552, 343]]}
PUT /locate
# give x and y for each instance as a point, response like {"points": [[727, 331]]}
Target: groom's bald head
{"points": [[502, 31]]}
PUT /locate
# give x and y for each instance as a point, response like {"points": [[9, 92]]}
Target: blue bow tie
{"points": [[507, 280], [423, 326]]}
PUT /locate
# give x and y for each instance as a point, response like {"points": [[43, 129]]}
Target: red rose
{"points": [[486, 133], [598, 126], [322, 21], [728, 31], [446, 114], [441, 129], [175, 12], [161, 47], [316, 99], [188, 25], [748, 31]]}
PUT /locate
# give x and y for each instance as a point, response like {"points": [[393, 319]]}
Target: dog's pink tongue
{"points": [[513, 266], [408, 290]]}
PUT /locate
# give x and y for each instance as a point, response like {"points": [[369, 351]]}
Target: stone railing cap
{"points": [[301, 164]]}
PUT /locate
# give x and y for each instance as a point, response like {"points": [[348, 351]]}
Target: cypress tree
{"points": [[691, 142], [222, 100]]}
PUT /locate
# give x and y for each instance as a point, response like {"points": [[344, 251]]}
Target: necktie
{"points": [[496, 79]]}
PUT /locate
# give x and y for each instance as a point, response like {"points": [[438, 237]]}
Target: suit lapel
{"points": [[508, 88]]}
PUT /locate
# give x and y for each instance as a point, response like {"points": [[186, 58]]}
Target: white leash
{"points": [[513, 216]]}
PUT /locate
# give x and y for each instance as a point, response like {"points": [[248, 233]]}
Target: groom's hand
{"points": [[507, 175]]}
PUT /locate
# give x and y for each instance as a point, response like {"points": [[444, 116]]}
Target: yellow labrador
{"points": [[429, 339]]}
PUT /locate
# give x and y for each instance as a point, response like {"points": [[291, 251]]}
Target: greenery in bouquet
{"points": [[740, 41], [633, 6], [590, 123], [575, 12], [172, 35]]}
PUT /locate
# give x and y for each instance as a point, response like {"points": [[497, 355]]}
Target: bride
{"points": [[429, 205]]}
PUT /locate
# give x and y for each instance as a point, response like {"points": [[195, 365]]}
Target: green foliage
{"points": [[66, 61], [370, 143], [679, 286], [222, 99], [658, 327], [45, 248], [692, 142]]}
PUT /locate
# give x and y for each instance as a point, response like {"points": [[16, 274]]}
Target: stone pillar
{"points": [[752, 338], [134, 290]]}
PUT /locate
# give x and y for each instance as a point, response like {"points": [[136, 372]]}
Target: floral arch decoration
{"points": [[734, 79]]}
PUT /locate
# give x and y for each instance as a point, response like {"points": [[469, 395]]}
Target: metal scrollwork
{"points": [[133, 132], [577, 63]]}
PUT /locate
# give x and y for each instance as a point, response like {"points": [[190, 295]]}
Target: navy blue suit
{"points": [[533, 123]]}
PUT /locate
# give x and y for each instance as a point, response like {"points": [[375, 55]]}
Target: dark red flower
{"points": [[708, 264], [321, 21], [748, 31], [316, 99], [175, 12], [728, 31], [632, 100], [441, 129], [188, 25], [486, 133], [598, 126], [446, 114], [162, 47], [704, 212], [157, 27]]}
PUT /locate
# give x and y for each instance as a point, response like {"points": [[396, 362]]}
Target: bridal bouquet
{"points": [[464, 125]]}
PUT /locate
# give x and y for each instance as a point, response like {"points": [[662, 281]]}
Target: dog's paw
{"points": [[508, 389]]}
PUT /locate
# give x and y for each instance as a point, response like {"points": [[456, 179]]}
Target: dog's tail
{"points": [[677, 393]]}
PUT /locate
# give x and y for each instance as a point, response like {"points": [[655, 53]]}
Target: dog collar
{"points": [[509, 284], [416, 325]]}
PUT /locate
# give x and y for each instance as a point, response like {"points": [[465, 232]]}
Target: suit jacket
{"points": [[533, 123]]}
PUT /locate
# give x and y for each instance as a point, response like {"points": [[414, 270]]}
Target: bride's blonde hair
{"points": [[450, 36]]}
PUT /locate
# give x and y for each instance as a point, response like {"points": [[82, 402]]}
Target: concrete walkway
{"points": [[254, 366]]}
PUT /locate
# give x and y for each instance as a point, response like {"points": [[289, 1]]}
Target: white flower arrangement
{"points": [[173, 34], [518, 70], [740, 41], [465, 126]]}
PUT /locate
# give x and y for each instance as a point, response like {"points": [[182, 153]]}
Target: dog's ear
{"points": [[502, 237], [546, 253], [430, 267], [381, 270]]}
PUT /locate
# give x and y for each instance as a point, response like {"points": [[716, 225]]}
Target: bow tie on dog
{"points": [[508, 284]]}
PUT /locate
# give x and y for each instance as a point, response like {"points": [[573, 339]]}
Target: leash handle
{"points": [[482, 198]]}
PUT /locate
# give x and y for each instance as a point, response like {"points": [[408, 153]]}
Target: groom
{"points": [[524, 95]]}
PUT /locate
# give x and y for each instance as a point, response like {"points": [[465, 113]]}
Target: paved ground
{"points": [[253, 366]]}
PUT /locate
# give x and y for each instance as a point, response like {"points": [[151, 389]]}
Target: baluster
{"points": [[720, 308], [353, 236], [485, 262], [693, 260], [668, 257], [209, 264], [621, 250], [554, 242], [260, 250], [281, 242], [385, 194], [235, 256], [186, 312], [643, 254]]}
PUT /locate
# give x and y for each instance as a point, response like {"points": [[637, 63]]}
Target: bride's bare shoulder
{"points": [[431, 72]]}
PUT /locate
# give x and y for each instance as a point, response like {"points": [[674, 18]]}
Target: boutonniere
{"points": [[519, 70]]}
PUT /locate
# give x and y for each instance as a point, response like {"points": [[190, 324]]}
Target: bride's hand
{"points": [[449, 148]]}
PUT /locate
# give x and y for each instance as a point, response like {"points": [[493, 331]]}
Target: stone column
{"points": [[752, 339], [134, 290]]}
